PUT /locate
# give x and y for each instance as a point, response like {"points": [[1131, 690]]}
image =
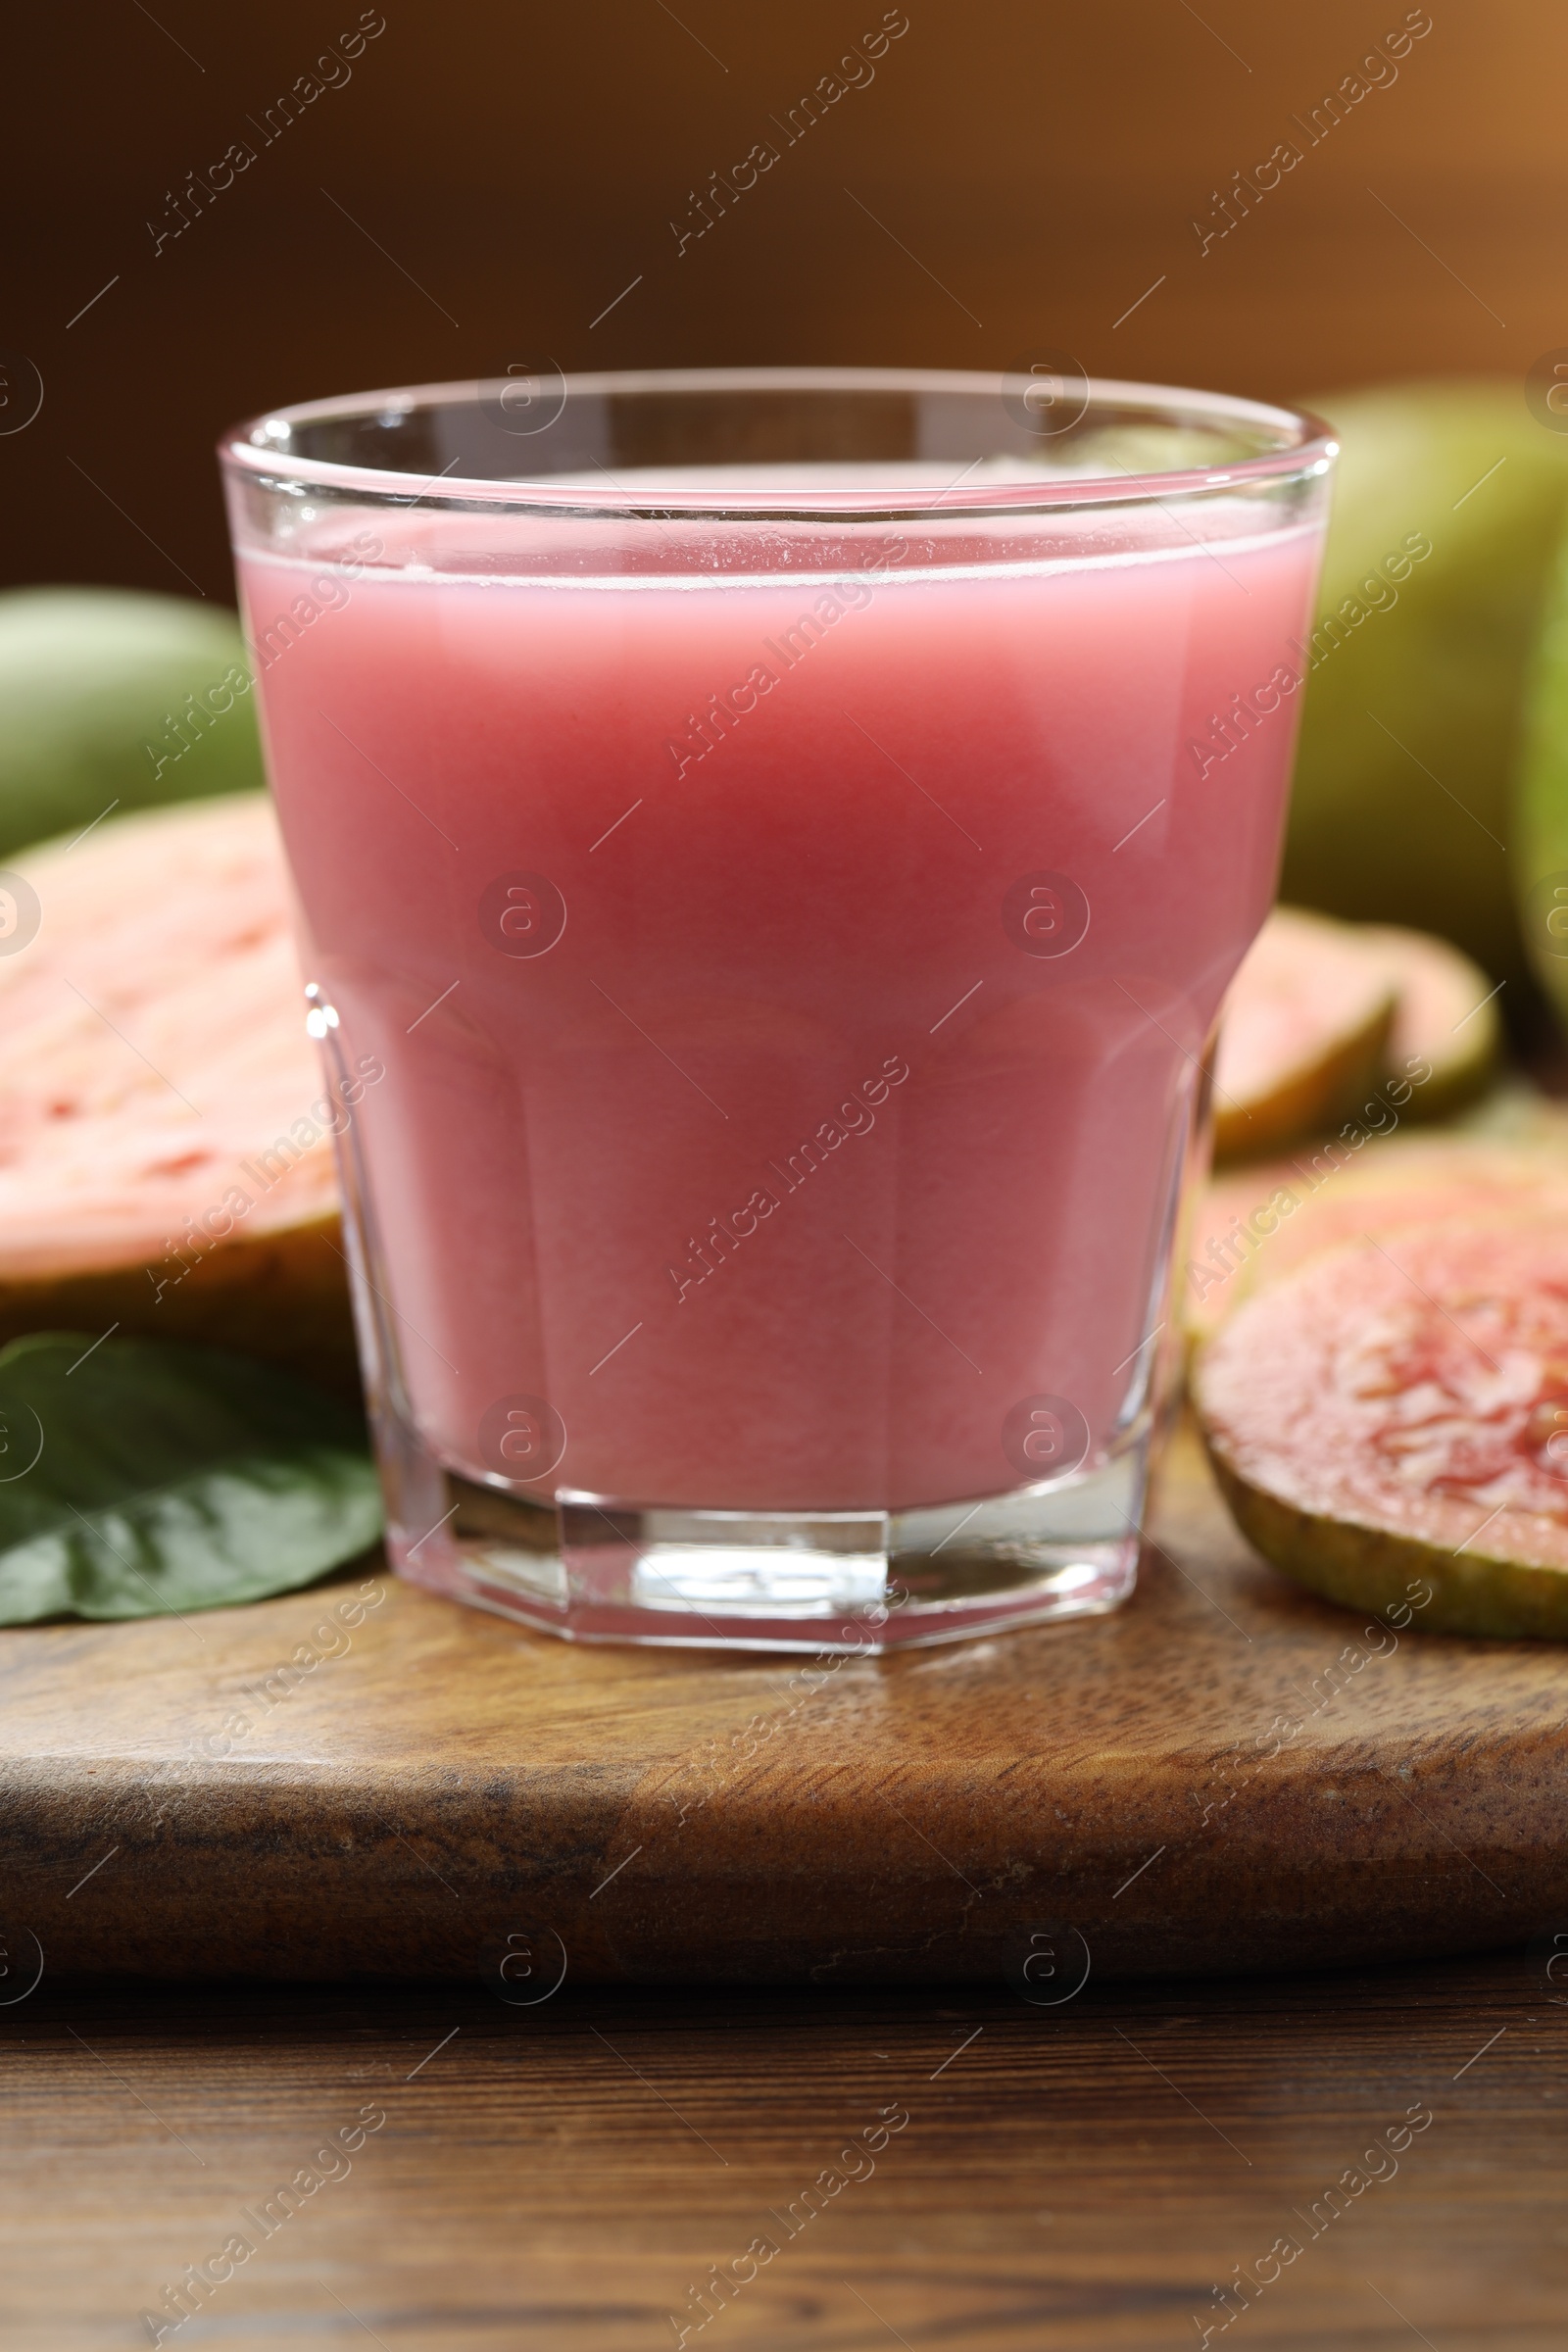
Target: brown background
{"points": [[519, 167]]}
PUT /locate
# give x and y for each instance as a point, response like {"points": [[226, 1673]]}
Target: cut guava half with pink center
{"points": [[1323, 1016], [1305, 1027], [166, 1154], [1388, 1424], [1446, 1031]]}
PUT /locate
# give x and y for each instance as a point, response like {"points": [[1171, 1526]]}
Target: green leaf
{"points": [[144, 1477]]}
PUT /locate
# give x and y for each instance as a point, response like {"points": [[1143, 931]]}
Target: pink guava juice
{"points": [[792, 984]]}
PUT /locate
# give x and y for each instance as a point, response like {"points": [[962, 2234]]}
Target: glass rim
{"points": [[1306, 445]]}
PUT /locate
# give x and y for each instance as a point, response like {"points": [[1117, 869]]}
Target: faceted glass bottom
{"points": [[599, 1569]]}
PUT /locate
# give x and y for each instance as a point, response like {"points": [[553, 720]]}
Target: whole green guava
{"points": [[1447, 510], [113, 699], [1539, 839]]}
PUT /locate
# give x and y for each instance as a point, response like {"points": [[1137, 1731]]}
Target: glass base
{"points": [[593, 1568]]}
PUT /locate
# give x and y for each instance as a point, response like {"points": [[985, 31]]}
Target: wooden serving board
{"points": [[366, 1780]]}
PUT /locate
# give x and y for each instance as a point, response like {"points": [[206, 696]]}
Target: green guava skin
{"points": [[1541, 804], [89, 680], [1416, 835]]}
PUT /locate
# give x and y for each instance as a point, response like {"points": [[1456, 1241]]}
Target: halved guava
{"points": [[1388, 1424], [1446, 1018], [165, 1159], [1306, 1030]]}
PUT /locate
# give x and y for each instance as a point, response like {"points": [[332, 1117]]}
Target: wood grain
{"points": [[1069, 2181], [1226, 1774]]}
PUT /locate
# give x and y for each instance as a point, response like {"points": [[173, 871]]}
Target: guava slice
{"points": [[1304, 1032], [1388, 1424], [165, 1159], [110, 698]]}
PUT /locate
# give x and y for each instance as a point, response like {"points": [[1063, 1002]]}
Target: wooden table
{"points": [[431, 2167], [564, 2176]]}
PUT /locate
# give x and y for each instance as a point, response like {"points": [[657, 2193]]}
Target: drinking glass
{"points": [[770, 848]]}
